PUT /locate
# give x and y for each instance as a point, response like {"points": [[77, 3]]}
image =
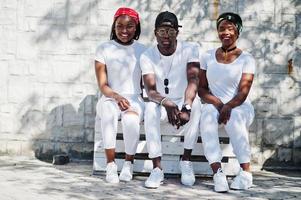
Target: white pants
{"points": [[108, 113], [236, 128], [154, 114]]}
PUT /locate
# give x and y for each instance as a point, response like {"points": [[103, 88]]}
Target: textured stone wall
{"points": [[48, 89]]}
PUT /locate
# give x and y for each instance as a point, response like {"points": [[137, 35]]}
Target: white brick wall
{"points": [[48, 86]]}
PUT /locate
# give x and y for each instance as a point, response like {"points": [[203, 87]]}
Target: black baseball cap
{"points": [[167, 19]]}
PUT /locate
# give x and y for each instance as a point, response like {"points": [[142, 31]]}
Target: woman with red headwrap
{"points": [[118, 75]]}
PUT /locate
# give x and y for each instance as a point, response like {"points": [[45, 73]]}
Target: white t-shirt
{"points": [[171, 67], [122, 65], [223, 79]]}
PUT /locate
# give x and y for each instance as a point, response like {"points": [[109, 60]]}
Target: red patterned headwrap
{"points": [[127, 11]]}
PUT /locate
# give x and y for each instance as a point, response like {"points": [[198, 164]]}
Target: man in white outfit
{"points": [[170, 73]]}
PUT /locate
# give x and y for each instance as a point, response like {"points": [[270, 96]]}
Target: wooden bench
{"points": [[172, 147]]}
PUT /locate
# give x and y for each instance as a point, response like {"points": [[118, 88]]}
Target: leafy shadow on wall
{"points": [[271, 46]]}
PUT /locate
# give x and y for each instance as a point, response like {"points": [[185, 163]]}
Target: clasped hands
{"points": [[224, 113], [175, 116]]}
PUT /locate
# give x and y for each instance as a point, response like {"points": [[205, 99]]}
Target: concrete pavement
{"points": [[23, 178]]}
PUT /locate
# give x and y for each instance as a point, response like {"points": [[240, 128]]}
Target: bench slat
{"points": [[168, 129], [172, 148]]}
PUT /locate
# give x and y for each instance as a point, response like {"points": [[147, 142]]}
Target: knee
{"points": [[130, 118], [130, 113]]}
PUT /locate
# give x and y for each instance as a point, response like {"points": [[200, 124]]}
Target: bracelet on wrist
{"points": [[162, 101]]}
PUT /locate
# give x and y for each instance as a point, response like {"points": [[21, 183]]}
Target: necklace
{"points": [[227, 50], [166, 80]]}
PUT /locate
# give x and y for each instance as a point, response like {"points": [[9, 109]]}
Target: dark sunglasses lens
{"points": [[161, 33], [172, 32], [166, 90], [166, 82]]}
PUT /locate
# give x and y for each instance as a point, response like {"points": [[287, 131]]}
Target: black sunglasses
{"points": [[171, 32], [166, 89]]}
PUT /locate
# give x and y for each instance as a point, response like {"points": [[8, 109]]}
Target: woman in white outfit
{"points": [[119, 75], [226, 77]]}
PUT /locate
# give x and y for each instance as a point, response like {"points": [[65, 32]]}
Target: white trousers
{"points": [[155, 114], [236, 128], [108, 113]]}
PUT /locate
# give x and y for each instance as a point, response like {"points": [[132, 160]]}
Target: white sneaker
{"points": [[126, 173], [111, 173], [220, 181], [155, 178], [187, 174], [242, 181]]}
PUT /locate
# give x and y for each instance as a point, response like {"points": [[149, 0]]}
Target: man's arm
{"points": [[192, 73], [193, 69], [154, 96], [151, 89]]}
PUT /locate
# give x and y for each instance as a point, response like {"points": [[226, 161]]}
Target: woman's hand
{"points": [[224, 114], [122, 102]]}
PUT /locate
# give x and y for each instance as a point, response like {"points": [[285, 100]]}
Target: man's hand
{"points": [[172, 112], [224, 114], [184, 115]]}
